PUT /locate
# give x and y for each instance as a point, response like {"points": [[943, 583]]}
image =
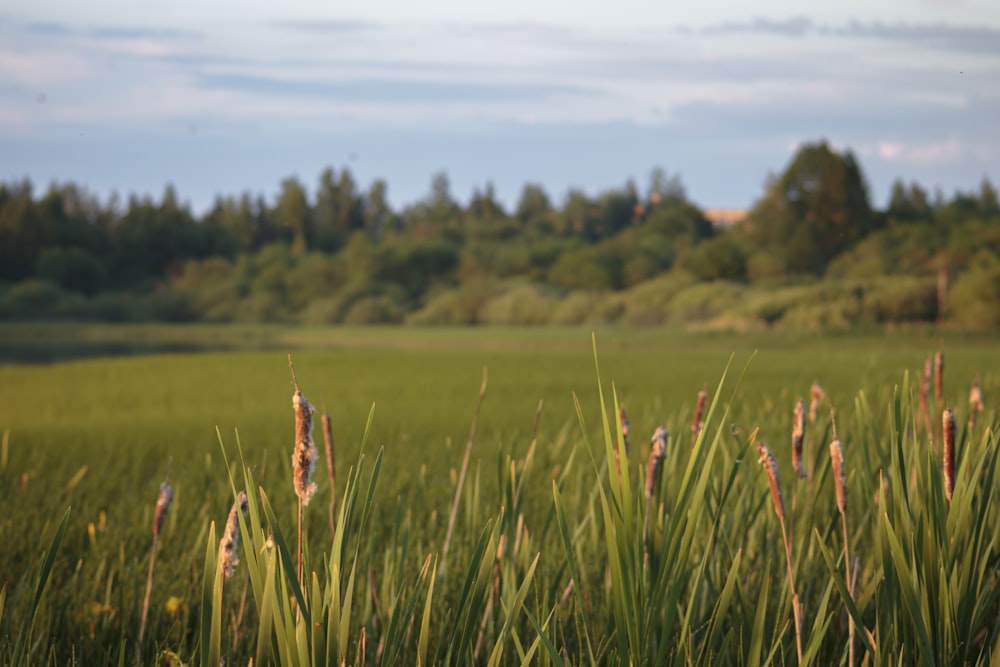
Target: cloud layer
{"points": [[919, 99]]}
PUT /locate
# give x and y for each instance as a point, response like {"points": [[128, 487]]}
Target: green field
{"points": [[98, 434]]}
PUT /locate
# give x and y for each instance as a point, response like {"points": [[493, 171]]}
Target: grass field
{"points": [[705, 583]]}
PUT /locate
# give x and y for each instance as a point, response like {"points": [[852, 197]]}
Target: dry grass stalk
{"points": [[361, 655], [699, 410], [494, 596], [948, 436], [975, 403], [766, 458], [816, 394], [461, 477], [163, 501], [228, 545], [925, 392], [330, 470], [798, 435]]}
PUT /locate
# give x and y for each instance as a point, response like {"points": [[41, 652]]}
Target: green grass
{"points": [[100, 434]]}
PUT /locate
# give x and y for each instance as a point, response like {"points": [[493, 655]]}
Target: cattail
{"points": [[657, 454], [163, 500], [162, 506], [766, 458], [840, 484], [948, 435], [975, 403], [228, 558], [798, 435], [305, 454], [839, 476], [816, 394], [938, 376], [699, 409]]}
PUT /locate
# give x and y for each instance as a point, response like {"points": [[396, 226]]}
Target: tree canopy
{"points": [[812, 251]]}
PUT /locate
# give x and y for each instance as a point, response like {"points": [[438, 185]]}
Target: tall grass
{"points": [[573, 550]]}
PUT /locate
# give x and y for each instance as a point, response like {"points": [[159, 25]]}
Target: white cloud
{"points": [[37, 68], [890, 150], [925, 153]]}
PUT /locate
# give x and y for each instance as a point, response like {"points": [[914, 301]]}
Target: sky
{"points": [[218, 97]]}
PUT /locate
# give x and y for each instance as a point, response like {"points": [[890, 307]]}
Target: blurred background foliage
{"points": [[812, 252]]}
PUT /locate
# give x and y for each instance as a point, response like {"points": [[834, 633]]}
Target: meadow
{"points": [[558, 555]]}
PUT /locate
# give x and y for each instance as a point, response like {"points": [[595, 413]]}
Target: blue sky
{"points": [[222, 97]]}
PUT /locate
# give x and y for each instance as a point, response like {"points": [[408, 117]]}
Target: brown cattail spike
{"points": [[816, 394], [624, 419], [766, 458], [948, 435], [798, 435], [976, 397], [305, 454], [839, 476], [699, 409], [975, 403], [162, 506], [228, 557], [657, 454]]}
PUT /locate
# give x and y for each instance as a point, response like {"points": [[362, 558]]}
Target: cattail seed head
{"points": [[975, 397], [975, 403], [162, 506], [657, 453], [816, 394], [948, 434], [228, 557], [305, 454], [766, 458], [839, 476], [798, 435], [624, 419], [699, 409]]}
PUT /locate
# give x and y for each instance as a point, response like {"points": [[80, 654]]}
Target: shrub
{"points": [[974, 301], [381, 309], [521, 304], [461, 305], [902, 299], [648, 303]]}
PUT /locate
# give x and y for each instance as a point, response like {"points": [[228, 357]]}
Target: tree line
{"points": [[813, 251]]}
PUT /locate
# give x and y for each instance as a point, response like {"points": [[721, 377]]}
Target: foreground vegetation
{"points": [[558, 555]]}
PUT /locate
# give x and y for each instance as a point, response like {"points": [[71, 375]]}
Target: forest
{"points": [[813, 252]]}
